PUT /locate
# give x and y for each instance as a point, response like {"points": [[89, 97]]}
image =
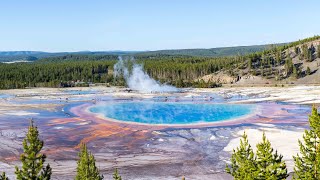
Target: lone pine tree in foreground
{"points": [[269, 165], [264, 165], [242, 161], [87, 169], [116, 175], [307, 164], [32, 159], [3, 176]]}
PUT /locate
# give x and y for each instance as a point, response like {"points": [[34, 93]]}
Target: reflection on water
{"points": [[172, 113]]}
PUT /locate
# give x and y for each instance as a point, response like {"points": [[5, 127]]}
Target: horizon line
{"points": [[147, 50]]}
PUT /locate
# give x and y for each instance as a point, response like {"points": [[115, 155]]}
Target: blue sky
{"points": [[98, 25]]}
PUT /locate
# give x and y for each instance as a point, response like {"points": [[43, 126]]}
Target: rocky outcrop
{"points": [[250, 79], [219, 78]]}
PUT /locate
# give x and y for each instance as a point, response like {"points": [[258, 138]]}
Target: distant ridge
{"points": [[214, 52], [20, 53], [9, 56]]}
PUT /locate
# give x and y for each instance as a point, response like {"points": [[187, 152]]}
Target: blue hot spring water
{"points": [[171, 113]]}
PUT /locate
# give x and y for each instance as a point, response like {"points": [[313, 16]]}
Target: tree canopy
{"points": [[307, 163], [264, 164], [86, 166], [32, 159]]}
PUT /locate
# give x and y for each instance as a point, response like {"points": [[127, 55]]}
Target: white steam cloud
{"points": [[137, 79]]}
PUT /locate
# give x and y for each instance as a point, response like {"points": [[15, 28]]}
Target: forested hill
{"points": [[215, 52]]}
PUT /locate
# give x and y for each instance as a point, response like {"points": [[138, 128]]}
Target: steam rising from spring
{"points": [[137, 79]]}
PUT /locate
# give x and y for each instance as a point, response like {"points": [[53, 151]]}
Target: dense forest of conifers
{"points": [[178, 70], [79, 70], [183, 71], [52, 74]]}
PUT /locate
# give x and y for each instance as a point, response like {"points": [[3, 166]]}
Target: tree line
{"points": [[54, 74], [81, 70]]}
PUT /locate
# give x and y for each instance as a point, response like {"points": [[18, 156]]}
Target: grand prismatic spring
{"points": [[171, 113]]}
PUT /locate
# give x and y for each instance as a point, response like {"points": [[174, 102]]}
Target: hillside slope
{"points": [[295, 63]]}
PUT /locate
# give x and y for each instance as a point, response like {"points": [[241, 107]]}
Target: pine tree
{"points": [[297, 50], [87, 169], [295, 72], [264, 165], [116, 175], [309, 55], [250, 63], [278, 58], [242, 161], [307, 164], [32, 159], [308, 71], [269, 165], [305, 51], [3, 176]]}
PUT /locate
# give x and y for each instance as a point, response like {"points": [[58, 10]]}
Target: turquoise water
{"points": [[171, 113]]}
